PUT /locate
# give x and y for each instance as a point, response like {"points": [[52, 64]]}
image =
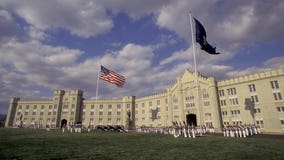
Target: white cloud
{"points": [[81, 18], [9, 28], [243, 72], [134, 8], [182, 55], [275, 62]]}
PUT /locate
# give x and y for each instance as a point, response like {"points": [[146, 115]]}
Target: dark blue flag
{"points": [[200, 35]]}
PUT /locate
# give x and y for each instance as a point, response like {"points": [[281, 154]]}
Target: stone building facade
{"points": [[193, 99]]}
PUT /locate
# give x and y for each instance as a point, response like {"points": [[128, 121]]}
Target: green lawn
{"points": [[40, 144]]}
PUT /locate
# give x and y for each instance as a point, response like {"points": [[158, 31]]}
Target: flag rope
{"points": [[195, 70]]}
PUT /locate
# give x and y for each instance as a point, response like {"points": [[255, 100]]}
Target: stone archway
{"points": [[191, 119], [63, 123]]}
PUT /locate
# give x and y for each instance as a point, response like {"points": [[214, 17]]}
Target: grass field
{"points": [[40, 144]]}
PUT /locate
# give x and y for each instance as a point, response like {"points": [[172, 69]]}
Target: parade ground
{"points": [[41, 144]]}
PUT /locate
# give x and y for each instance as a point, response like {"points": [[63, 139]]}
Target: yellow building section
{"points": [[193, 100]]}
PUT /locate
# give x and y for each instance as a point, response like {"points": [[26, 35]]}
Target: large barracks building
{"points": [[252, 99]]}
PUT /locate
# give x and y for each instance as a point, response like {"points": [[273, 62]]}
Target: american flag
{"points": [[112, 77]]}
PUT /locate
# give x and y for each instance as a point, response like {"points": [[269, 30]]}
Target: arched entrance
{"points": [[191, 119], [63, 123]]}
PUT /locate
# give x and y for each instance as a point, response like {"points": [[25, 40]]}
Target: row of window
{"points": [[232, 91], [35, 106], [158, 102], [101, 119], [110, 106], [65, 106], [237, 112], [233, 112], [253, 99], [101, 113]]}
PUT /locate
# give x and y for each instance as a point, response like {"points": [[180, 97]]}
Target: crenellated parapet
{"points": [[252, 77]]}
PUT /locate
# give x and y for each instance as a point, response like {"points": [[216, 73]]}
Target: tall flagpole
{"points": [[195, 69], [97, 89], [98, 79]]}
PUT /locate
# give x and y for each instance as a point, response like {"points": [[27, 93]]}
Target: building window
{"points": [[252, 88], [158, 102], [282, 122], [232, 91], [100, 113], [109, 106], [92, 106], [274, 84], [118, 106], [34, 113], [54, 113], [234, 101], [101, 106], [205, 95], [280, 109], [73, 105], [277, 96], [176, 117], [206, 103], [109, 113], [166, 100], [260, 123], [223, 103], [20, 107], [92, 113], [235, 113], [175, 99], [143, 105], [224, 113], [35, 106], [42, 107], [221, 93], [50, 106], [41, 113], [27, 107], [254, 99], [257, 110], [118, 113], [150, 103], [49, 113], [208, 116]]}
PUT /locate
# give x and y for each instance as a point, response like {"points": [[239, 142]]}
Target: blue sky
{"points": [[58, 44]]}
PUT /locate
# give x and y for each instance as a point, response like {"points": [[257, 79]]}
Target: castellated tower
{"points": [[69, 106], [11, 112]]}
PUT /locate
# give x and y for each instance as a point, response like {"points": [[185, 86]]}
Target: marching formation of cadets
{"points": [[78, 128], [178, 130], [241, 131]]}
